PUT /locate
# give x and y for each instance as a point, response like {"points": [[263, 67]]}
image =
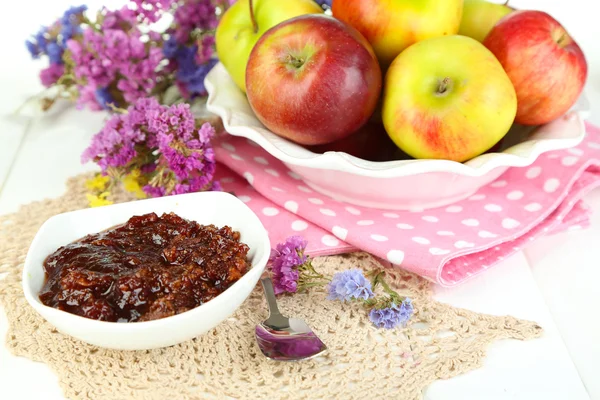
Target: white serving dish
{"points": [[400, 184], [217, 208]]}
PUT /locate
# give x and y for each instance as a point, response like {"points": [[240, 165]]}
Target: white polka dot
{"points": [[575, 151], [227, 180], [470, 222], [379, 238], [438, 252], [594, 145], [353, 210], [271, 172], [327, 211], [395, 256], [314, 200], [454, 209], [261, 160], [270, 211], [276, 189], [569, 160], [486, 234], [330, 241], [499, 184], [294, 175], [236, 157], [339, 232], [429, 218], [390, 215], [404, 226], [515, 195], [533, 207], [492, 208], [299, 225], [228, 146], [476, 197], [291, 206], [551, 185], [244, 198], [249, 177], [509, 223], [462, 244], [304, 189], [445, 233], [365, 222], [533, 172], [420, 240]]}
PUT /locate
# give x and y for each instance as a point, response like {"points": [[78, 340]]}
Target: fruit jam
{"points": [[147, 268]]}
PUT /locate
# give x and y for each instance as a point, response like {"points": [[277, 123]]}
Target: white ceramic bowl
{"points": [[401, 184], [217, 208]]}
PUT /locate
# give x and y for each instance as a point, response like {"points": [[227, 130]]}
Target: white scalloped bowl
{"points": [[393, 185]]}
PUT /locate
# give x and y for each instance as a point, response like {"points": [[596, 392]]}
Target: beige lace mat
{"points": [[362, 362]]}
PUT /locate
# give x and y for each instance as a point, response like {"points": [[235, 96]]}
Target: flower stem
{"points": [[252, 18]]}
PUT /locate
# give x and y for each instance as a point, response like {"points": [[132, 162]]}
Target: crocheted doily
{"points": [[361, 362]]}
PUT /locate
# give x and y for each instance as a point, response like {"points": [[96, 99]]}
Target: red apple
{"points": [[313, 79], [545, 65]]}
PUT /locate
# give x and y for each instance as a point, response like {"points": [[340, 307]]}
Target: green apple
{"points": [[480, 16], [447, 98], [240, 28]]}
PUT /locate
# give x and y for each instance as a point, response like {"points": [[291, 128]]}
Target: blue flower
{"points": [[349, 285], [189, 73], [393, 315], [103, 97], [54, 52], [33, 49], [324, 3], [170, 48]]}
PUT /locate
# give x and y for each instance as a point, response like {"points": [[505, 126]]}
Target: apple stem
{"points": [[443, 85], [506, 2], [252, 18]]}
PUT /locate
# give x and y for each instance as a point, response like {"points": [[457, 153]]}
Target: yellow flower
{"points": [[97, 183], [98, 200], [131, 183]]}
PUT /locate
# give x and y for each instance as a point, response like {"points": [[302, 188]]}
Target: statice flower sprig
{"points": [[112, 58], [155, 150], [292, 271]]}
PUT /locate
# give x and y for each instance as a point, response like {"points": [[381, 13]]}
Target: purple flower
{"points": [[50, 75], [116, 58], [392, 316], [192, 15], [152, 10], [284, 262], [349, 285]]}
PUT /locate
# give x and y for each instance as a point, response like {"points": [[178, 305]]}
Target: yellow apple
{"points": [[393, 25], [480, 16], [239, 29], [447, 98]]}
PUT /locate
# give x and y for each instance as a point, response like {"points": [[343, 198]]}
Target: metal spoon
{"points": [[285, 339]]}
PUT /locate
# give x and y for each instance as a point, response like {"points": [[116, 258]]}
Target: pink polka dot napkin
{"points": [[447, 245]]}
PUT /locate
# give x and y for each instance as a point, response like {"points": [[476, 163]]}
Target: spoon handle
{"points": [[270, 295]]}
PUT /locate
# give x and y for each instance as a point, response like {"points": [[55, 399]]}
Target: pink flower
{"points": [[50, 75]]}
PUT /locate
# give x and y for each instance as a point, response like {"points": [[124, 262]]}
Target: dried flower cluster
{"points": [[292, 271]]}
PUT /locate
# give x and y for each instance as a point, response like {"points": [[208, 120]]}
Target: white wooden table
{"points": [[554, 281]]}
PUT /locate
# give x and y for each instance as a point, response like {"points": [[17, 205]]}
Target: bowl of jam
{"points": [[146, 274]]}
